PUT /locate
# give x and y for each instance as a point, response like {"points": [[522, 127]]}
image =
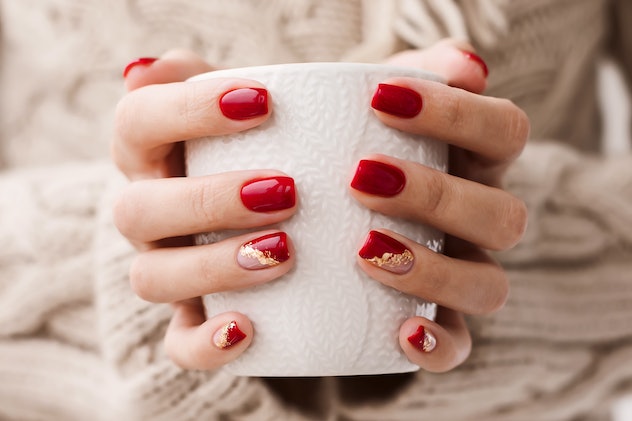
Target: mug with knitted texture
{"points": [[325, 317]]}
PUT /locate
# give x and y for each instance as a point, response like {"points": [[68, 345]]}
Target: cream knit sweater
{"points": [[76, 344]]}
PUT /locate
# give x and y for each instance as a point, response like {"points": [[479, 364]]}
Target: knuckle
{"points": [[490, 293], [517, 129], [434, 274], [121, 117], [192, 108], [208, 272], [124, 212], [124, 118], [204, 202], [433, 201], [513, 223], [139, 280], [497, 299], [210, 200], [127, 212], [456, 116]]}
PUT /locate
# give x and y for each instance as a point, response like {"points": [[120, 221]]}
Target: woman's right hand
{"points": [[160, 210]]}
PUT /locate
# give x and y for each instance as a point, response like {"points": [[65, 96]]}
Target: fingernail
{"points": [[266, 251], [478, 60], [228, 335], [269, 194], [143, 61], [378, 178], [387, 253], [397, 100], [423, 340], [244, 103]]}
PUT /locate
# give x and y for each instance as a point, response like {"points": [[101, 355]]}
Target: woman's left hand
{"points": [[485, 135]]}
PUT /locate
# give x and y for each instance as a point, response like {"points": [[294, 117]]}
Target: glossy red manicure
{"points": [[143, 61], [266, 251], [478, 60], [244, 103], [269, 194], [228, 335], [397, 101], [387, 253], [378, 178], [423, 340]]}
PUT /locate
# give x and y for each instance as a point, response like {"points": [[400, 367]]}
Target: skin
{"points": [[158, 213]]}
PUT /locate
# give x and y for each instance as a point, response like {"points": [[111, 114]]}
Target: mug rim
{"points": [[357, 67]]}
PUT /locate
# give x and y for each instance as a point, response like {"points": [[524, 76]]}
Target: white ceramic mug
{"points": [[325, 317]]}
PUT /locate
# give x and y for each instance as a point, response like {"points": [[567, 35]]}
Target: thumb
{"points": [[173, 66]]}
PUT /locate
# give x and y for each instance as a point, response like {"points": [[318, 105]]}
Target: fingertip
{"points": [[135, 70], [192, 342], [430, 346], [465, 68], [456, 61], [173, 66], [135, 64]]}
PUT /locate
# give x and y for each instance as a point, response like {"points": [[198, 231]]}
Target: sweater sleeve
{"points": [[46, 232], [48, 349], [559, 349], [570, 284], [75, 342]]}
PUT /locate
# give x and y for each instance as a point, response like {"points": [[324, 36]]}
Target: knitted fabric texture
{"points": [[76, 344]]}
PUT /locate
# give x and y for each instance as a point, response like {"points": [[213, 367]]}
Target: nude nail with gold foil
{"points": [[387, 253], [263, 252]]}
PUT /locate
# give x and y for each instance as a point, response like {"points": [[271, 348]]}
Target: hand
{"points": [[160, 210], [485, 135]]}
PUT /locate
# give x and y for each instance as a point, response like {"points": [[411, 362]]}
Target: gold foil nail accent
{"points": [[392, 259], [221, 340], [429, 342], [228, 335], [263, 257]]}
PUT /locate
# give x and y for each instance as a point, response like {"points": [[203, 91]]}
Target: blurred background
{"points": [[617, 115]]}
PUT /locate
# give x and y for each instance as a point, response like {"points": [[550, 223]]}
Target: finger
{"points": [[150, 210], [171, 274], [455, 61], [436, 346], [494, 129], [173, 66], [473, 283], [193, 342], [486, 216], [150, 120]]}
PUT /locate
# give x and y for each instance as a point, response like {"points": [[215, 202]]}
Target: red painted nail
{"points": [[397, 100], [228, 335], [266, 251], [143, 61], [269, 194], [244, 103], [378, 178], [423, 340], [478, 60], [387, 253]]}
